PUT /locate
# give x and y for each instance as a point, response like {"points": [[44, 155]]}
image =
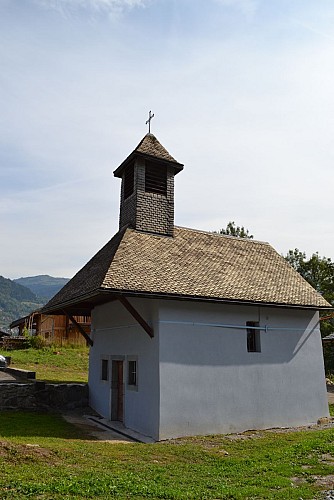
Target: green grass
{"points": [[53, 364], [43, 457], [66, 464]]}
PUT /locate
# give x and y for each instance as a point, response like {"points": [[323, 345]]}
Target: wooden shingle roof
{"points": [[150, 148], [191, 265], [150, 145]]}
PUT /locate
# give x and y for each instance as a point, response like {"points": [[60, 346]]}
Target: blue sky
{"points": [[242, 92]]}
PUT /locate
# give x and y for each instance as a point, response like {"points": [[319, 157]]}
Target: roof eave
{"points": [[119, 170], [22, 320], [169, 296], [102, 295], [85, 302]]}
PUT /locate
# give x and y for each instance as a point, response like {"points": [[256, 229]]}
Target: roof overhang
{"points": [[83, 305], [23, 320], [135, 154]]}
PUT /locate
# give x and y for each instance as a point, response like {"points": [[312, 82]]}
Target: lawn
{"points": [[53, 364], [44, 457]]}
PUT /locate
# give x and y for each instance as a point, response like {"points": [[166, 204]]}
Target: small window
{"points": [[128, 181], [132, 373], [253, 337], [155, 178], [104, 369]]}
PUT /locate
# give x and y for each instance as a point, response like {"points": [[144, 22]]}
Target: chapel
{"points": [[193, 332]]}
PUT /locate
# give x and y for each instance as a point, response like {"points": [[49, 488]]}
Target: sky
{"points": [[242, 93]]}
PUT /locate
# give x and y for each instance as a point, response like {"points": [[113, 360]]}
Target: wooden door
{"points": [[117, 389]]}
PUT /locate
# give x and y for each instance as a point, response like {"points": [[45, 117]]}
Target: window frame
{"points": [[253, 336], [129, 384], [105, 369]]}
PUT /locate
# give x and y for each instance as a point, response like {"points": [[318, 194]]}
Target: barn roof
{"points": [[193, 265]]}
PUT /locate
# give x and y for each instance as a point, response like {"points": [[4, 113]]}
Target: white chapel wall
{"points": [[211, 384], [117, 334]]}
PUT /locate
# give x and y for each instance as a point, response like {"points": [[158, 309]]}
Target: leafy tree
{"points": [[319, 272], [233, 230]]}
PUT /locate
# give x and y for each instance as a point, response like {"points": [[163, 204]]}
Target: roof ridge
{"points": [[213, 233]]}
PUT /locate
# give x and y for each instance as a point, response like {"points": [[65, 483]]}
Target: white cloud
{"points": [[254, 127], [247, 7], [66, 7], [315, 30]]}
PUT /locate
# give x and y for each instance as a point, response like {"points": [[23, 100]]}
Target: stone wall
{"points": [[42, 396]]}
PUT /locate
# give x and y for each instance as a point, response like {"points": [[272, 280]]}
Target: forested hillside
{"points": [[15, 301], [43, 286]]}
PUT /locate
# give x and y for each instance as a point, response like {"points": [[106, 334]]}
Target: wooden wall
{"points": [[57, 329]]}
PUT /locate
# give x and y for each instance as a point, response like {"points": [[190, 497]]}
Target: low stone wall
{"points": [[18, 372], [42, 396]]}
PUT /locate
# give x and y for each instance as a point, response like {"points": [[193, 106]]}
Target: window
{"points": [[253, 337], [155, 178], [132, 373], [128, 181], [104, 369]]}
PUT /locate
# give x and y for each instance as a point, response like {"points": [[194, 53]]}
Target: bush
{"points": [[36, 342]]}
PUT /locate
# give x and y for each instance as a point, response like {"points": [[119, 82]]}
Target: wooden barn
{"points": [[55, 329]]}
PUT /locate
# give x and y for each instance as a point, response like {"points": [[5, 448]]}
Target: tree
{"points": [[319, 272], [233, 230]]}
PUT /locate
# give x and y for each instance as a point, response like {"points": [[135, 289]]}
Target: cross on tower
{"points": [[150, 116]]}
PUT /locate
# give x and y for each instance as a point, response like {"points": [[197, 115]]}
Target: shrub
{"points": [[37, 342]]}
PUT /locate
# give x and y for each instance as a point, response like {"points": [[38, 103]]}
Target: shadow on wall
{"points": [[210, 346]]}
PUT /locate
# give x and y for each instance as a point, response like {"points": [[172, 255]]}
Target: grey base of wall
{"points": [[43, 396]]}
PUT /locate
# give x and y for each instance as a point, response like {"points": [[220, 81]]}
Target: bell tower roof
{"points": [[150, 148]]}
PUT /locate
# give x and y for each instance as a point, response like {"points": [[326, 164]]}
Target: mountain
{"points": [[15, 301], [21, 296], [43, 286]]}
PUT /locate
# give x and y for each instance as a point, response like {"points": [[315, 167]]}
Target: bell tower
{"points": [[147, 191]]}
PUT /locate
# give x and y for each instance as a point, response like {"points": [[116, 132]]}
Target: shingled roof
{"points": [[191, 265], [149, 147]]}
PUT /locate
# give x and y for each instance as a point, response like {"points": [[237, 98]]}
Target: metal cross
{"points": [[150, 116]]}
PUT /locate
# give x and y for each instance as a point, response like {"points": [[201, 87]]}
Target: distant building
{"points": [[54, 329], [193, 332]]}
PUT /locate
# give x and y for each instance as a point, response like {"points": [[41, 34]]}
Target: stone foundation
{"points": [[42, 396]]}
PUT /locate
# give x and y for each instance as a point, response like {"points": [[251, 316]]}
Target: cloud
{"points": [[254, 127], [67, 7], [314, 30], [247, 7]]}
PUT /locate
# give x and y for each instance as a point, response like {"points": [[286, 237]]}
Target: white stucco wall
{"points": [[195, 377], [116, 333], [209, 383]]}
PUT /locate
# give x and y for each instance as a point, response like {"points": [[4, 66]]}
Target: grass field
{"points": [[64, 364], [44, 457]]}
